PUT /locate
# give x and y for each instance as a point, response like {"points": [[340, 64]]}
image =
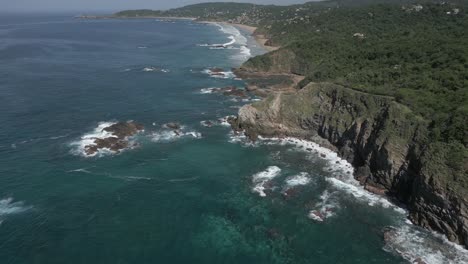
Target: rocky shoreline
{"points": [[383, 140]]}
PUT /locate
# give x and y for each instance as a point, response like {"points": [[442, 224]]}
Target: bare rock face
{"points": [[124, 129], [386, 143], [120, 132]]}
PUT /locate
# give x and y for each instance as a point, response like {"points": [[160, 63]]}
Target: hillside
{"points": [[414, 144]]}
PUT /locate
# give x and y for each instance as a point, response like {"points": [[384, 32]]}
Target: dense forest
{"points": [[415, 51]]}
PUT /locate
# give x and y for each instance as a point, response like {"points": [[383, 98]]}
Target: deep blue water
{"points": [[170, 200]]}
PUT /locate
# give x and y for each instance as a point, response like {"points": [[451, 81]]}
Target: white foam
{"points": [[245, 51], [326, 208], [208, 90], [83, 170], [168, 135], [155, 69], [302, 178], [233, 40], [224, 121], [341, 172], [220, 75], [8, 207], [413, 244], [79, 146], [237, 41], [260, 179], [149, 69], [233, 32]]}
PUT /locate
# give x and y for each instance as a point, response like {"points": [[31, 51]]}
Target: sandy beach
{"points": [[261, 40]]}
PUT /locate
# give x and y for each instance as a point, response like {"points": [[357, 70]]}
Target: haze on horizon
{"points": [[114, 5]]}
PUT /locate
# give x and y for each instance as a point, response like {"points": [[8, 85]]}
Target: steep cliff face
{"points": [[384, 140]]}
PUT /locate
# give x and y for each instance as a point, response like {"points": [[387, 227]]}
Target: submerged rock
{"points": [[172, 125]]}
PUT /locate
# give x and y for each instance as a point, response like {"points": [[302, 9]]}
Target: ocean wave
{"points": [[245, 51], [421, 246], [208, 90], [82, 170], [236, 41], [341, 172], [8, 207], [223, 121], [302, 178], [411, 242], [233, 32], [262, 180], [169, 135], [326, 208], [155, 69], [220, 74]]}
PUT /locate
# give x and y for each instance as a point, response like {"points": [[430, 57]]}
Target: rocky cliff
{"points": [[386, 142]]}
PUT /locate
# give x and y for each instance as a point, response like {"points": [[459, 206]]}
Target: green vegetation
{"points": [[414, 51]]}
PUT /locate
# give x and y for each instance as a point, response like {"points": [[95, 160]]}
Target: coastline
{"points": [[260, 39]]}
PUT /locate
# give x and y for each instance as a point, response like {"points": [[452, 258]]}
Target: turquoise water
{"points": [[173, 199]]}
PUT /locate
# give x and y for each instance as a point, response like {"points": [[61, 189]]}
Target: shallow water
{"points": [[188, 199]]}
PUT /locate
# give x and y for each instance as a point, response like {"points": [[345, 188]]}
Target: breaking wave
{"points": [[262, 179], [302, 178], [326, 208], [169, 135], [220, 75], [421, 246], [236, 41], [79, 146], [411, 242]]}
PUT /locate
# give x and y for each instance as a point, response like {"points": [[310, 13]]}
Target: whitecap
{"points": [[220, 75], [83, 170], [8, 207], [415, 245], [155, 69], [302, 178], [261, 179], [232, 32], [326, 208], [208, 90], [169, 135]]}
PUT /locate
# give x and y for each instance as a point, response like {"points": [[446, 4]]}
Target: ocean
{"points": [[201, 195]]}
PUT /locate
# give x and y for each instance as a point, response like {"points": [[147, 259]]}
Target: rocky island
{"points": [[116, 138]]}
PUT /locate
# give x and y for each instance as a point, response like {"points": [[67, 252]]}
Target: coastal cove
{"points": [[182, 186]]}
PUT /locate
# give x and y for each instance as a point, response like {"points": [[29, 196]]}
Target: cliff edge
{"points": [[387, 143]]}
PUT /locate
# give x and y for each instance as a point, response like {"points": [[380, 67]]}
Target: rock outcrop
{"points": [[386, 142], [117, 140]]}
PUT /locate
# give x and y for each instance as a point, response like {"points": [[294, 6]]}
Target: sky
{"points": [[112, 5]]}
